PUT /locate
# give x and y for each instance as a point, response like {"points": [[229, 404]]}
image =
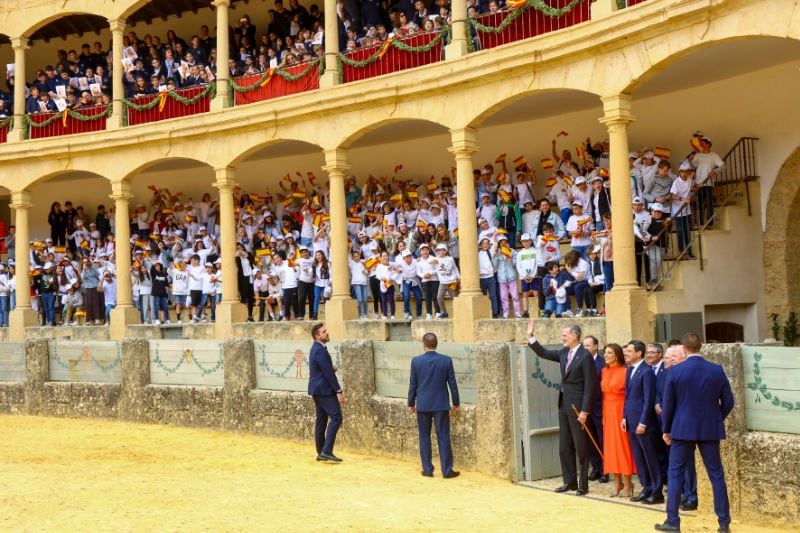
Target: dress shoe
{"points": [[594, 476], [604, 478], [724, 529], [427, 474], [565, 488], [330, 457], [320, 458], [639, 497], [452, 474], [667, 527], [654, 499], [688, 506], [582, 492]]}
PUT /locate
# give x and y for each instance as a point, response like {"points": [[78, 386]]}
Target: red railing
{"points": [[276, 83], [393, 56], [166, 106], [491, 30], [5, 127], [90, 119]]}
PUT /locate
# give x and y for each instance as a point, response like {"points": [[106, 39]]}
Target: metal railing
{"points": [[729, 183], [495, 29]]}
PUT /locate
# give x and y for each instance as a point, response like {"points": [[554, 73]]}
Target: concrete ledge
{"points": [[77, 333], [183, 405], [12, 398], [368, 330], [204, 331], [283, 415], [442, 328], [145, 331], [275, 331]]}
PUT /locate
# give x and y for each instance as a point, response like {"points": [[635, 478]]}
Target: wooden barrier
{"points": [[186, 362], [87, 361], [283, 365], [12, 362], [772, 388]]}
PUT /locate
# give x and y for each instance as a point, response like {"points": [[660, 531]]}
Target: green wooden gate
{"points": [[535, 393]]}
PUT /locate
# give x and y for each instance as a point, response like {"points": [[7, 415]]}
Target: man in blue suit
{"points": [[595, 420], [639, 420], [431, 375], [697, 399], [324, 388]]}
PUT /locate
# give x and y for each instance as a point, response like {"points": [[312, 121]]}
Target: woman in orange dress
{"points": [[616, 448]]}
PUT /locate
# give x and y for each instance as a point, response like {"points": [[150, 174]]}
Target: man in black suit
{"points": [[578, 387], [595, 422], [431, 375], [324, 388], [654, 357]]}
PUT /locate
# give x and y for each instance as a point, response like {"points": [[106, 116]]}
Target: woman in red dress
{"points": [[616, 448]]}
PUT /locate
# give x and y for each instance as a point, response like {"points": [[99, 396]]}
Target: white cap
{"points": [[633, 155], [72, 281], [526, 237], [685, 165], [577, 202], [595, 250], [402, 224], [502, 237], [209, 265], [375, 246], [441, 246], [637, 200], [48, 240], [595, 178], [361, 234], [406, 253], [656, 206], [482, 220], [302, 247], [649, 155], [424, 245], [579, 180]]}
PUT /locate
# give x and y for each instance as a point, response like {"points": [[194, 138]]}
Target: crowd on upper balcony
{"points": [[153, 64]]}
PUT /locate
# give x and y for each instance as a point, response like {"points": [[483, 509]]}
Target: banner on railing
{"points": [[394, 55], [67, 122], [5, 126], [172, 104], [529, 19], [277, 82]]}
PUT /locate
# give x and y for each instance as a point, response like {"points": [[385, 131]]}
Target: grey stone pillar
{"points": [[358, 384], [37, 373], [135, 377], [494, 446], [240, 379]]}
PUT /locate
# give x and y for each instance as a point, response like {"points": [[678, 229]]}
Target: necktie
{"points": [[655, 370], [570, 355]]}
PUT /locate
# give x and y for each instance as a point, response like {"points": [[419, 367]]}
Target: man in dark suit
{"points": [[639, 420], [595, 422], [578, 387], [431, 375], [324, 388], [697, 399], [654, 358]]}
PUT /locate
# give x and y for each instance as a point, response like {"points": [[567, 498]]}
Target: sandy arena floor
{"points": [[89, 475]]}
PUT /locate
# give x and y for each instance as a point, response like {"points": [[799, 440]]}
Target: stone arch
{"points": [[782, 241], [53, 17], [496, 106], [260, 145], [131, 175], [352, 137]]}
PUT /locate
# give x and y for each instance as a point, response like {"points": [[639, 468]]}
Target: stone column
{"points": [[627, 314], [229, 311], [20, 44], [331, 75], [221, 101], [494, 442], [124, 313], [240, 379], [470, 305], [117, 27], [22, 316], [37, 373], [135, 377], [603, 8], [341, 307], [458, 40]]}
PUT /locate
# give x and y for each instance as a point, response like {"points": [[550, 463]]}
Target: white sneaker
{"points": [[428, 316], [383, 317], [438, 315], [392, 317], [408, 317], [156, 322], [204, 320], [166, 322], [568, 313], [178, 321], [579, 314]]}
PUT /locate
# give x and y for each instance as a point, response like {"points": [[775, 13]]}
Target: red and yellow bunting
{"points": [[385, 48], [268, 77]]}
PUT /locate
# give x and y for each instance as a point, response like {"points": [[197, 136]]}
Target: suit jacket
{"points": [[697, 398], [579, 382], [599, 364], [661, 376], [431, 374], [322, 379], [640, 397]]}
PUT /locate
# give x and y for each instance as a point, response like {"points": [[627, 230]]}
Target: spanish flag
{"points": [[388, 283], [311, 177], [179, 267], [505, 251], [263, 252], [317, 220], [154, 236], [373, 214], [662, 152], [549, 238], [326, 218], [547, 163], [504, 196], [454, 286], [520, 161], [551, 181], [568, 180], [455, 231], [396, 198], [84, 245], [187, 218], [354, 220], [431, 186], [581, 151], [421, 223], [371, 263], [287, 178], [500, 158], [695, 143], [299, 194], [60, 249], [413, 195], [582, 222], [286, 202], [166, 211]]}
